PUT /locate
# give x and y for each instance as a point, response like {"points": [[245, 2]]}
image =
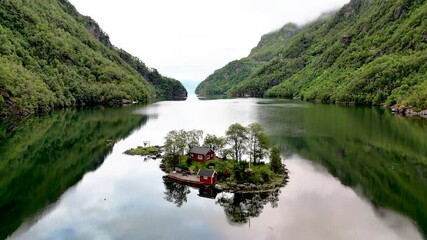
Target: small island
{"points": [[233, 163], [153, 152]]}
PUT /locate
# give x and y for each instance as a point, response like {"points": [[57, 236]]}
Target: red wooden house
{"points": [[201, 154], [207, 176]]}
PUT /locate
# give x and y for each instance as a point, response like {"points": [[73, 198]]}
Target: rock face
{"points": [[400, 11], [409, 112], [178, 94], [346, 39], [98, 32]]}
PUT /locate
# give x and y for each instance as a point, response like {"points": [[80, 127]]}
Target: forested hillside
{"points": [[270, 46], [51, 56], [370, 52]]}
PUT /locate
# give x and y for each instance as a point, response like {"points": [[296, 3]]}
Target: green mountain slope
{"points": [[370, 52], [51, 56], [271, 45]]}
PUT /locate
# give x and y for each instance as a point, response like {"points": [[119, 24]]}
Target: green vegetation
{"points": [[222, 80], [230, 171], [144, 151], [239, 140], [42, 156], [178, 143], [275, 160], [218, 144], [237, 136], [52, 57], [369, 52]]}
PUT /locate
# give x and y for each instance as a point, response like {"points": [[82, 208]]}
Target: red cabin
{"points": [[201, 154], [207, 176]]}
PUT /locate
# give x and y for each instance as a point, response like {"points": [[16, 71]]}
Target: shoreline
{"points": [[25, 113], [230, 187]]}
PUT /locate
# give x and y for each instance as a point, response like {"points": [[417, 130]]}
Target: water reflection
{"points": [[329, 196], [381, 155], [208, 192], [44, 155], [175, 193], [240, 207]]}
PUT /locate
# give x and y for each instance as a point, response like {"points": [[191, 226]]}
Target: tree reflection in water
{"points": [[240, 207], [175, 193]]}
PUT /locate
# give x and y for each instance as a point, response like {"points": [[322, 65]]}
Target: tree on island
{"points": [[276, 161], [176, 143], [237, 136], [180, 142], [194, 138], [217, 144], [240, 141], [257, 142]]}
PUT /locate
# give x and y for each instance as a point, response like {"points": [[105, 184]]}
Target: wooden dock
{"points": [[188, 179]]}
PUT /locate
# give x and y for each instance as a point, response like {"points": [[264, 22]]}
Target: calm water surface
{"points": [[355, 173]]}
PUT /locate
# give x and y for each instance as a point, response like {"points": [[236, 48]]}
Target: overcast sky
{"points": [[189, 39]]}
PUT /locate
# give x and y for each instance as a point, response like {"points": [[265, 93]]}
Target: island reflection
{"points": [[239, 208]]}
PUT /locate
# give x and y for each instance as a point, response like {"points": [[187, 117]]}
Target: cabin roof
{"points": [[200, 150], [206, 173]]}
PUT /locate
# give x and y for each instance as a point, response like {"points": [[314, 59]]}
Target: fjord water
{"points": [[355, 173]]}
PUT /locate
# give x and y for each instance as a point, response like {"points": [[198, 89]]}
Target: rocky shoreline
{"points": [[408, 112]]}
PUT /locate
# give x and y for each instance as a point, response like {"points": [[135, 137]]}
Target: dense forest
{"points": [[370, 52], [52, 57]]}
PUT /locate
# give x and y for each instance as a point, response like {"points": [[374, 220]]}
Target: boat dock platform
{"points": [[188, 179]]}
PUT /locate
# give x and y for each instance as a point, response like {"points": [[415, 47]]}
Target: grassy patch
{"points": [[143, 151], [232, 171]]}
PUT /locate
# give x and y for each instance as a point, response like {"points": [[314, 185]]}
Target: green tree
{"points": [[257, 143], [275, 160], [176, 143], [194, 137], [217, 144], [237, 136]]}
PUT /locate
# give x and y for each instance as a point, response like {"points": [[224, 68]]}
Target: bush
{"points": [[1, 102], [275, 160], [266, 174], [239, 174]]}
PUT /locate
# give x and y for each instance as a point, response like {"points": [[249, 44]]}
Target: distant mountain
{"points": [[270, 46], [370, 52], [51, 56]]}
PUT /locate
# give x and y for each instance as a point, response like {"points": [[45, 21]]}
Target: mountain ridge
{"points": [[370, 52]]}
